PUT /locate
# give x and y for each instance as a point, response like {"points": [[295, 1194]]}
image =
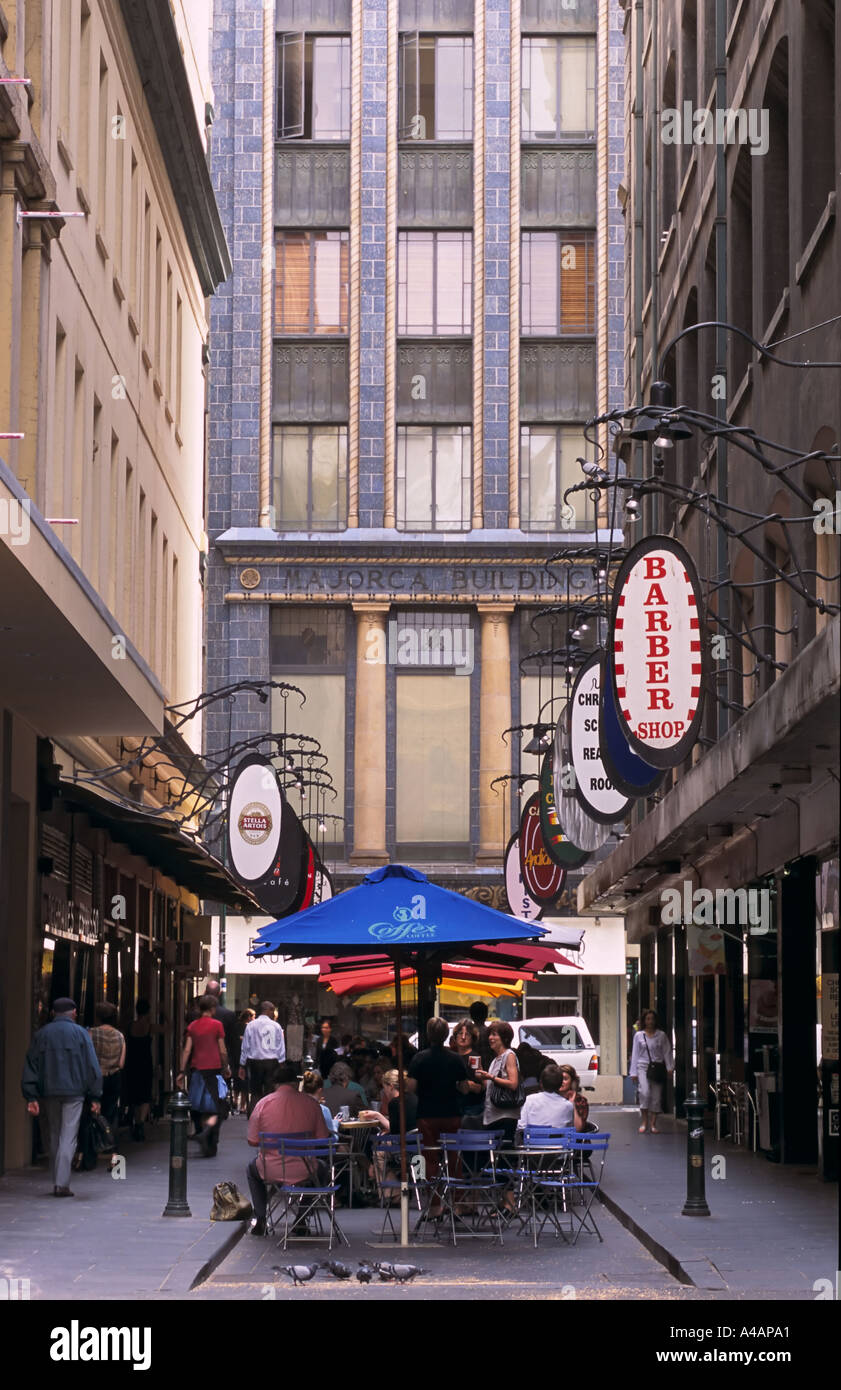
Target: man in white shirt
{"points": [[546, 1106], [263, 1046]]}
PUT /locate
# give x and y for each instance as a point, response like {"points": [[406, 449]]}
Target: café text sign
{"points": [[656, 642]]}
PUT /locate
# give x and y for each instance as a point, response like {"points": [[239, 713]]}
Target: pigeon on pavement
{"points": [[365, 1274], [299, 1274], [338, 1270], [402, 1274]]}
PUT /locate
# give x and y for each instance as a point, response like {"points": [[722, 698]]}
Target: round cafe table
{"points": [[355, 1130]]}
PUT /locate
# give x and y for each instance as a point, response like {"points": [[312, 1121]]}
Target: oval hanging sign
{"points": [[522, 906], [632, 775], [579, 827], [255, 816], [658, 664], [542, 877], [555, 841], [594, 789]]}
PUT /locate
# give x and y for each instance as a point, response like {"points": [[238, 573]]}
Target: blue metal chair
{"points": [[315, 1197], [576, 1189], [480, 1186], [270, 1144], [387, 1148], [540, 1179]]}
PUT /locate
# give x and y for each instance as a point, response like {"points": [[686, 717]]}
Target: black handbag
{"points": [[504, 1098], [656, 1070]]}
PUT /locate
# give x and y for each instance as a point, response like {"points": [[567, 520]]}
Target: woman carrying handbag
{"points": [[651, 1063], [205, 1048]]}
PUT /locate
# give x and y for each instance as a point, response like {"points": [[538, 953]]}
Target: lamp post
{"points": [[694, 1107], [179, 1110]]}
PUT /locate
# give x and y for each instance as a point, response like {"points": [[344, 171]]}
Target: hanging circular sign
{"points": [[542, 877], [308, 876], [579, 827], [594, 789], [255, 816], [632, 775], [555, 841], [522, 906], [658, 660]]}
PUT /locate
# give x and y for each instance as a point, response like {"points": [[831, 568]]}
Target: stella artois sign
{"points": [[255, 812], [656, 642], [542, 877]]}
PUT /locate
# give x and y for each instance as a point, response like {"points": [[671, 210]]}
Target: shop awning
{"points": [[161, 843]]}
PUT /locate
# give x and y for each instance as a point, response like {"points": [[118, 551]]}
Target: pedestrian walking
{"points": [[110, 1048], [206, 1054], [240, 1076], [263, 1047], [140, 1067], [227, 1018], [651, 1063], [325, 1054], [60, 1073]]}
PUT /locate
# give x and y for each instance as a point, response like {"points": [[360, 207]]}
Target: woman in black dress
{"points": [[139, 1070]]}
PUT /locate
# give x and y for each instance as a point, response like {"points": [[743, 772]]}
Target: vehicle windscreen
{"points": [[559, 1035]]}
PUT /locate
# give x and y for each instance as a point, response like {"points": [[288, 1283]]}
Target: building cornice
{"points": [[154, 40]]}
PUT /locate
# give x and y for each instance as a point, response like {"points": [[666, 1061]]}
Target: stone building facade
{"points": [[743, 230], [110, 245], [405, 473]]}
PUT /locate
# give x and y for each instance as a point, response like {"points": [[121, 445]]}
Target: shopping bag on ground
{"points": [[229, 1204]]}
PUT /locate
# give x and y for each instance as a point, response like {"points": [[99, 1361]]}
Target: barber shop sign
{"points": [[658, 658]]}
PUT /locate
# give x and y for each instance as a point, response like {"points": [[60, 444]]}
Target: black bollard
{"points": [[696, 1201], [179, 1112]]}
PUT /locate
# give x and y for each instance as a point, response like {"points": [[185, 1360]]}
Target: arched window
{"points": [[817, 154], [688, 393], [822, 560], [775, 188], [746, 658], [780, 618], [740, 271], [706, 338], [668, 152], [688, 69]]}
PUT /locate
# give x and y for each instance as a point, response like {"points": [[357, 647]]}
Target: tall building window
{"points": [[311, 282], [307, 647], [313, 87], [434, 282], [558, 272], [433, 478], [436, 87], [558, 89], [548, 466], [310, 477], [434, 655]]}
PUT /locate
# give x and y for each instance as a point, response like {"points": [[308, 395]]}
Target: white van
{"points": [[565, 1039]]}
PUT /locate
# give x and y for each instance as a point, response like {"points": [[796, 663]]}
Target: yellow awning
{"points": [[449, 994]]}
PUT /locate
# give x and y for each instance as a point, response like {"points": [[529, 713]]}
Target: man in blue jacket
{"points": [[60, 1073]]}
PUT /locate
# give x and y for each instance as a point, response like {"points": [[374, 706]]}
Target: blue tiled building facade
{"points": [[378, 527]]}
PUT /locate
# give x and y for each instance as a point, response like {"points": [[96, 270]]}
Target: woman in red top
{"points": [[205, 1048]]}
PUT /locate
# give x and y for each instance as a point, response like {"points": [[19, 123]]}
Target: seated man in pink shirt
{"points": [[285, 1110]]}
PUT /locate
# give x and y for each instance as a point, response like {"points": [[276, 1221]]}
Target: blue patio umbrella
{"points": [[398, 914]]}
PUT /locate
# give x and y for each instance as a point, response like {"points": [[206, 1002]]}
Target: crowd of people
{"points": [[470, 1079]]}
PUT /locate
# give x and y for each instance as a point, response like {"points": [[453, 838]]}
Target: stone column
{"points": [[494, 717], [369, 735]]}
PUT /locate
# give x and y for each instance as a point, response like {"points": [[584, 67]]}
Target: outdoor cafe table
{"points": [[516, 1162], [356, 1133]]}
